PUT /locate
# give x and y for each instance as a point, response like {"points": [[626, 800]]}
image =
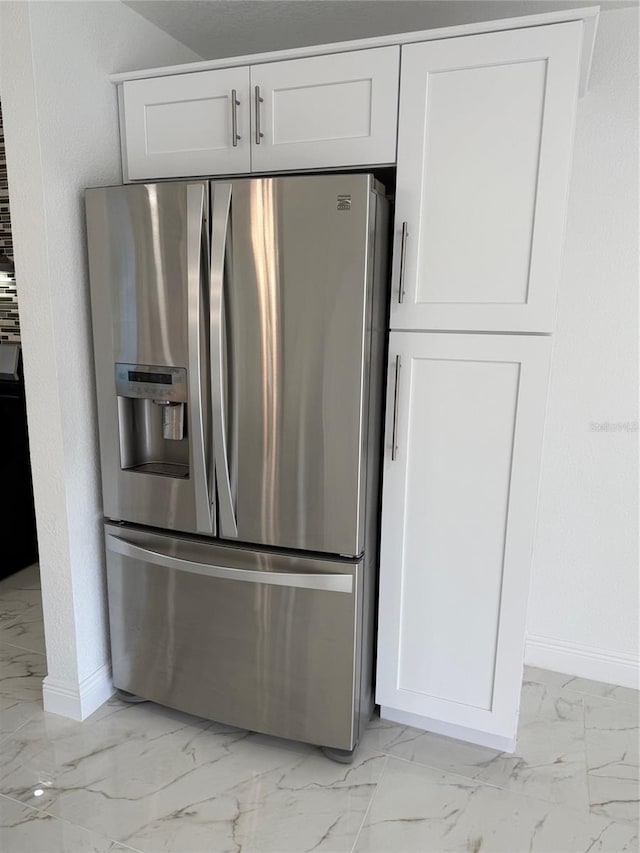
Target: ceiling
{"points": [[219, 28]]}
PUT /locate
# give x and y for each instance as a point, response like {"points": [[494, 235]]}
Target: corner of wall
{"points": [[78, 701]]}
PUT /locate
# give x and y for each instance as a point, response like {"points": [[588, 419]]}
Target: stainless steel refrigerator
{"points": [[239, 345]]}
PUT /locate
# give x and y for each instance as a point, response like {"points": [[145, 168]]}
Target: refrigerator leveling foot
{"points": [[343, 756], [129, 697]]}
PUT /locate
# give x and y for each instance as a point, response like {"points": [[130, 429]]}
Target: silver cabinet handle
{"points": [[329, 581], [403, 259], [396, 396], [219, 227], [235, 103], [259, 101], [203, 497]]}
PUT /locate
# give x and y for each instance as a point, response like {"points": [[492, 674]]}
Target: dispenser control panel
{"points": [[151, 382]]}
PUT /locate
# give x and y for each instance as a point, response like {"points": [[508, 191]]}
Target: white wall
{"points": [[583, 615], [61, 127], [61, 130], [217, 28]]}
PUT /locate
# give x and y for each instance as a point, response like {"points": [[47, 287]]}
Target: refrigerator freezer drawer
{"points": [[263, 641]]}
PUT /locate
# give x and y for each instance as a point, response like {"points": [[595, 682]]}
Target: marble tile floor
{"points": [[148, 779]]}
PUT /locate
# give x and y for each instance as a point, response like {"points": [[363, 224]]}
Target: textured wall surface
{"points": [[61, 127], [585, 574], [217, 28]]}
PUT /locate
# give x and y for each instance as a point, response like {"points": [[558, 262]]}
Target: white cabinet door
{"points": [[326, 111], [183, 124], [465, 414], [484, 153]]}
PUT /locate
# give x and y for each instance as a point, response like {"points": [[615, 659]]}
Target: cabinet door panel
{"points": [[326, 111], [484, 153], [457, 525], [182, 125], [460, 472]]}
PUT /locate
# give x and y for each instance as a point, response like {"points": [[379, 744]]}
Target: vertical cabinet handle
{"points": [[235, 103], [396, 395], [259, 101], [403, 258]]}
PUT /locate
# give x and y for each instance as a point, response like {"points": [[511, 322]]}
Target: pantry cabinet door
{"points": [[325, 111], [464, 428], [484, 153], [183, 125]]}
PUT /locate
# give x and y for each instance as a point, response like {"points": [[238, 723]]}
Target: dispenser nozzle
{"points": [[172, 419]]}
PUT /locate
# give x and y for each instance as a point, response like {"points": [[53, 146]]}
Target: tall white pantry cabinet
{"points": [[484, 151], [478, 121]]}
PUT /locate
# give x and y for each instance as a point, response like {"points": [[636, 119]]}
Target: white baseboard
{"points": [[78, 701], [583, 661], [405, 718]]}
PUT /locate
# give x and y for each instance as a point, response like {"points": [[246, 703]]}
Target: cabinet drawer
{"points": [[187, 124], [326, 111]]}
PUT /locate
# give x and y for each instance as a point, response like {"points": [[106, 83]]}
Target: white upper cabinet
{"points": [[319, 112], [484, 153], [187, 124], [464, 430], [326, 111]]}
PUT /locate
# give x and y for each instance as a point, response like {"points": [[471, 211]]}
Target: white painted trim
{"points": [[590, 27], [583, 661], [78, 701], [589, 16], [122, 126], [493, 741]]}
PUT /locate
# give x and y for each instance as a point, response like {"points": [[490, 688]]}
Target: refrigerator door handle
{"points": [[220, 207], [202, 492], [328, 581]]}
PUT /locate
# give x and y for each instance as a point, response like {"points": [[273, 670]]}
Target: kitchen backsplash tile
{"points": [[9, 320]]}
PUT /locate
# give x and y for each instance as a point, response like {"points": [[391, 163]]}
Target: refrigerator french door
{"points": [[239, 336]]}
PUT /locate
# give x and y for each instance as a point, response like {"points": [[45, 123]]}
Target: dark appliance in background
{"points": [[18, 541]]}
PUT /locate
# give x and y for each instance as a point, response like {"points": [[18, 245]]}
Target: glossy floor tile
{"points": [[613, 758], [549, 763], [25, 830], [417, 808], [148, 779], [28, 578], [21, 621], [21, 674], [157, 779]]}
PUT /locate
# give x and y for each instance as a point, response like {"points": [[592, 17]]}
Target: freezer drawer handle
{"points": [[330, 582]]}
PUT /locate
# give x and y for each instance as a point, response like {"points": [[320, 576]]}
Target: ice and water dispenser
{"points": [[152, 419]]}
